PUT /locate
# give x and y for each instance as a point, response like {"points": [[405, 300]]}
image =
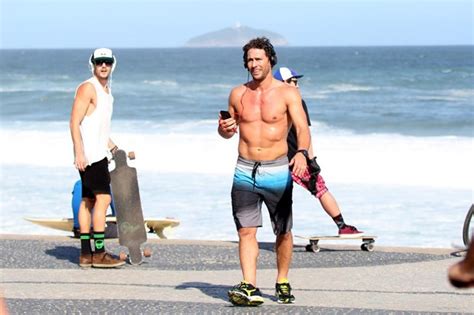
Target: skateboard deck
{"points": [[367, 241], [128, 207], [154, 225]]}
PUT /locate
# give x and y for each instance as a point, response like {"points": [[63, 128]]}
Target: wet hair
{"points": [[260, 43]]}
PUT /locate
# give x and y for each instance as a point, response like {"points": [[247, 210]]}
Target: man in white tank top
{"points": [[90, 130]]}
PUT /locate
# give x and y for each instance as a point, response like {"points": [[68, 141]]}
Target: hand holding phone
{"points": [[225, 114]]}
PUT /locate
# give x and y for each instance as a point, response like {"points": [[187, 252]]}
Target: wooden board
{"points": [[336, 237], [154, 225]]}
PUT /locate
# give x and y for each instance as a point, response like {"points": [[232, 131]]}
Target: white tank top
{"points": [[95, 128]]}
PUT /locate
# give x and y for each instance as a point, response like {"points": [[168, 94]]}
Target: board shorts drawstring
{"points": [[254, 171]]}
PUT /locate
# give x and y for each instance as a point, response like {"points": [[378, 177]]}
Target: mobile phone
{"points": [[225, 114]]}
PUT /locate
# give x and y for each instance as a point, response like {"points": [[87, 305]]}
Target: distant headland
{"points": [[238, 35]]}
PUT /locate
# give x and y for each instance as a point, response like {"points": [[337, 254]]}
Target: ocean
{"points": [[392, 128]]}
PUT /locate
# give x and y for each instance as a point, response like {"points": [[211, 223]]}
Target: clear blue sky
{"points": [[170, 23]]}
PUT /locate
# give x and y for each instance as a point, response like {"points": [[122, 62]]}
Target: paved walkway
{"points": [[41, 273]]}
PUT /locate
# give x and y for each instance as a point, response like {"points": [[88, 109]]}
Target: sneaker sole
{"points": [[285, 301], [355, 235], [85, 265], [108, 265], [240, 299]]}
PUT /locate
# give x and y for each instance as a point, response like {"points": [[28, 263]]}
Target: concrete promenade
{"points": [[40, 275]]}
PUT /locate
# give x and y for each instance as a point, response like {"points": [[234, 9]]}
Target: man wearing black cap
{"points": [[90, 130], [312, 179]]}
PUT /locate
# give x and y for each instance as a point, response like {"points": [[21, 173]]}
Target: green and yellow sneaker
{"points": [[283, 293], [245, 294]]}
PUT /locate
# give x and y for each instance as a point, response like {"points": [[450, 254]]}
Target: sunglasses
{"points": [[99, 62], [292, 80]]}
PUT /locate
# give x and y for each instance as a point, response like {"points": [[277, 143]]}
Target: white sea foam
{"points": [[462, 93], [453, 95], [195, 147], [164, 83], [345, 88], [19, 89]]}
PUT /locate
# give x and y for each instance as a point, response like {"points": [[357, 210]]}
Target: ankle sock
{"points": [[339, 220], [85, 243], [99, 243], [282, 280]]}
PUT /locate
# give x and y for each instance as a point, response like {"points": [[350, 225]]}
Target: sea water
{"points": [[392, 128]]}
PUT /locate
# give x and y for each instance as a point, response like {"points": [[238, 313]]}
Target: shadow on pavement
{"points": [[212, 290], [69, 253]]}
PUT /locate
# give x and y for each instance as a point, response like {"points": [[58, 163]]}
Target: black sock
{"points": [[339, 221], [85, 243], [99, 243]]}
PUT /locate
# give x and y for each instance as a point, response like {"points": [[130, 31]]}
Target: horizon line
{"points": [[226, 47]]}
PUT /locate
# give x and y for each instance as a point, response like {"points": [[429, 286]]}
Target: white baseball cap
{"points": [[102, 54]]}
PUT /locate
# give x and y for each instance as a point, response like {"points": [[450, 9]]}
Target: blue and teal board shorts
{"points": [[257, 182]]}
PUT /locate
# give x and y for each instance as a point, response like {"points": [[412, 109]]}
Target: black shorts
{"points": [[95, 179]]}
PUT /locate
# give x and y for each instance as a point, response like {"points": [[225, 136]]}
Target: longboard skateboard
{"points": [[367, 241], [154, 225], [128, 207]]}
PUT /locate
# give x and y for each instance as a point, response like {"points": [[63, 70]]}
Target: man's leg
{"points": [[102, 202], [330, 205], [246, 293], [84, 217], [101, 259], [85, 212], [248, 254], [284, 252]]}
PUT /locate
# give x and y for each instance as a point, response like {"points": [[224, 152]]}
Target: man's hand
{"points": [[80, 162], [227, 126], [299, 164]]}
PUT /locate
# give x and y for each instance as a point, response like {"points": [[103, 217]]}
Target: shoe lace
{"points": [[284, 288]]}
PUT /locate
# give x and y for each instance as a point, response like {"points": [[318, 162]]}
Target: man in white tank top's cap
{"points": [[90, 130]]}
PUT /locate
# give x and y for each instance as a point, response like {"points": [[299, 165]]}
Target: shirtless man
{"points": [[90, 131], [263, 110]]}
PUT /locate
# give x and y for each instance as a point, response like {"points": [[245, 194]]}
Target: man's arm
{"points": [[81, 103], [300, 122], [228, 127]]}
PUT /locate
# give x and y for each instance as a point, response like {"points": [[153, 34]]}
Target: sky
{"points": [[170, 23]]}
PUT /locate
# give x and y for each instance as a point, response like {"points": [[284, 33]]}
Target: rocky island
{"points": [[238, 35]]}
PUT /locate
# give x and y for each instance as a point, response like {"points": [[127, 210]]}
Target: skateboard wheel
{"points": [[147, 252], [122, 256], [312, 248], [367, 247], [131, 155]]}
